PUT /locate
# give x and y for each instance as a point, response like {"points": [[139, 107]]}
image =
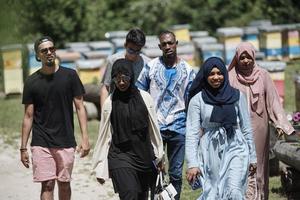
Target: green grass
{"points": [[290, 72], [275, 189], [11, 114]]}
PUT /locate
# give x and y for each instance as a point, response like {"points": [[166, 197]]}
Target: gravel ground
{"points": [[17, 184]]}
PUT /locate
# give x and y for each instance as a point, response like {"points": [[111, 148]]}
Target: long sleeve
{"points": [[245, 124], [274, 107], [99, 160], [192, 137], [192, 76], [143, 82], [154, 131]]}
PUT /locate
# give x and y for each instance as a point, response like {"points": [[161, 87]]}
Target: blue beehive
{"points": [[290, 41], [271, 42], [231, 37], [251, 34]]}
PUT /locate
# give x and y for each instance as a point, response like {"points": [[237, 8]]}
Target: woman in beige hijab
{"points": [[264, 106]]}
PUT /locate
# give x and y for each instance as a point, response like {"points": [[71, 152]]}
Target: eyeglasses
{"points": [[123, 78], [133, 51], [45, 50]]}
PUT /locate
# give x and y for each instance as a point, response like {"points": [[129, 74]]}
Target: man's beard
{"points": [[50, 63]]}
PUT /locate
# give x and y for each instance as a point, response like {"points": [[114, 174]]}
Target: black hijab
{"points": [[129, 112], [222, 98]]}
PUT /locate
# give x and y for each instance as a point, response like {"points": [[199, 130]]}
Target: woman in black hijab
{"points": [[135, 147], [220, 157]]}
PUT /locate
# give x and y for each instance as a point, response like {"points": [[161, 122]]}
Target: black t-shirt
{"points": [[52, 97]]}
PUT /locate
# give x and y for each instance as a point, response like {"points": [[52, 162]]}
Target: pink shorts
{"points": [[52, 163]]}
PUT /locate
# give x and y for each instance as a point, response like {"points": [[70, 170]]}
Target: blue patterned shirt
{"points": [[169, 87]]}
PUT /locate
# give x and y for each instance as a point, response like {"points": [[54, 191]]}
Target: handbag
{"points": [[164, 191]]}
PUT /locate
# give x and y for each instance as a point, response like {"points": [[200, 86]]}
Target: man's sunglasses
{"points": [[133, 51], [45, 50]]}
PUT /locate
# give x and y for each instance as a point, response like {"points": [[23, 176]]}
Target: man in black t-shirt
{"points": [[48, 97]]}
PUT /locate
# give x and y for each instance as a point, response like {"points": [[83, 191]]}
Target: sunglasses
{"points": [[123, 78], [45, 50], [133, 51]]}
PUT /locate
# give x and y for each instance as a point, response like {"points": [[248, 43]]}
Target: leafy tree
{"points": [[9, 24], [86, 20], [62, 19], [282, 11], [152, 16]]}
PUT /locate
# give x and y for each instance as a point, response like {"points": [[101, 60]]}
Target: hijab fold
{"points": [[248, 76], [222, 98], [129, 113]]}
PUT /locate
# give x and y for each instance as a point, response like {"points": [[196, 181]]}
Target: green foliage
{"points": [[88, 20], [152, 16], [11, 113], [282, 11], [64, 20], [9, 27], [291, 70]]}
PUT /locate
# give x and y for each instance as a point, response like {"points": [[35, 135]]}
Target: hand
{"points": [[297, 133], [161, 166], [84, 148], [252, 168], [25, 158], [280, 133], [192, 173], [101, 181]]}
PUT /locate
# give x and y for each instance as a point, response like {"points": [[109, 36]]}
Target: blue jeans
{"points": [[175, 151]]}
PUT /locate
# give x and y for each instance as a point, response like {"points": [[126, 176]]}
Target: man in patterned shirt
{"points": [[168, 79]]}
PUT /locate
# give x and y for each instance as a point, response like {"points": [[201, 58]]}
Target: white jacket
{"points": [[100, 161]]}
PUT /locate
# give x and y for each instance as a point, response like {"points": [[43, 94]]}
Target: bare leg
{"points": [[64, 190], [47, 190]]}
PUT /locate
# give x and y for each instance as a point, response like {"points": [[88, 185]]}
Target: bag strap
{"points": [[159, 179]]}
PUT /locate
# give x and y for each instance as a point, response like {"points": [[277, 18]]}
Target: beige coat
{"points": [[100, 161]]}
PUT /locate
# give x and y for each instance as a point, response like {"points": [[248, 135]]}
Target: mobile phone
{"points": [[196, 184]]}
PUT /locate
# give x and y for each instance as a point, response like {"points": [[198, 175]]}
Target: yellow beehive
{"points": [[90, 71], [182, 32], [271, 42], [12, 69]]}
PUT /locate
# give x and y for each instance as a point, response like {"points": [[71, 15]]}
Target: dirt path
{"points": [[16, 180]]}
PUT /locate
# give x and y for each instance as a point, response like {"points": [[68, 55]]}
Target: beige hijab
{"points": [[248, 76]]}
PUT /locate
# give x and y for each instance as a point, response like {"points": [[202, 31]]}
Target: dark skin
{"points": [[168, 46]]}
